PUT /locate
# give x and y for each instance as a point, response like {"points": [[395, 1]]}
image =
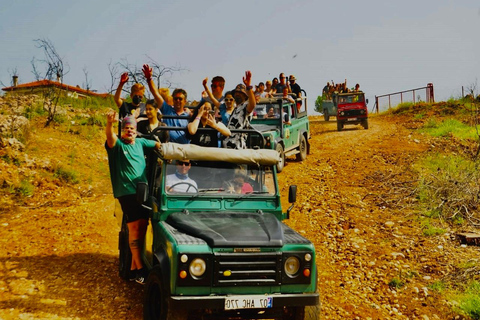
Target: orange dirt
{"points": [[58, 248]]}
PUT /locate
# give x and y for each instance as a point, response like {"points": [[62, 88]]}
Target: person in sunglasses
{"points": [[179, 97], [240, 117], [136, 107], [180, 181]]}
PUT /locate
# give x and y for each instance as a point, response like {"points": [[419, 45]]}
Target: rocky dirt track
{"points": [[58, 255]]}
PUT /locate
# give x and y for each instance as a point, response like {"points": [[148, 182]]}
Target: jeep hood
{"points": [[230, 229]]}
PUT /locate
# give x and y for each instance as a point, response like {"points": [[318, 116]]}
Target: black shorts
{"points": [[132, 210]]}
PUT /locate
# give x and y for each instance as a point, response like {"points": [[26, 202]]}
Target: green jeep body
{"points": [[214, 253], [288, 132]]}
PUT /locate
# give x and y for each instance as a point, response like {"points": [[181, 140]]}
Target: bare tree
{"points": [[159, 71], [87, 85], [56, 69], [114, 75], [472, 90], [35, 72]]}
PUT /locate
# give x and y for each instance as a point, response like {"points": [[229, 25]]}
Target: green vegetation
{"points": [[318, 104], [65, 174], [396, 283], [468, 301], [449, 127], [438, 286]]}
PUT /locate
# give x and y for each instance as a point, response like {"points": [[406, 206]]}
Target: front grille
{"points": [[247, 269], [354, 112]]}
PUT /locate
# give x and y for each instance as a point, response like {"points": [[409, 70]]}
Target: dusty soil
{"points": [[58, 247]]}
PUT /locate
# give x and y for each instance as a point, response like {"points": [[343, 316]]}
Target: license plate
{"points": [[352, 119], [248, 302]]}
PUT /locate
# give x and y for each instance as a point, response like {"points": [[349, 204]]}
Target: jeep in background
{"points": [[285, 129], [212, 252], [329, 109], [351, 109]]}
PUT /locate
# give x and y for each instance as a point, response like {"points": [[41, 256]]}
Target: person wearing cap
{"points": [[136, 107], [294, 86], [239, 119], [126, 161], [179, 97]]}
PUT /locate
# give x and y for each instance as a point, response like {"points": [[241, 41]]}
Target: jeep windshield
{"points": [[197, 178], [351, 98]]}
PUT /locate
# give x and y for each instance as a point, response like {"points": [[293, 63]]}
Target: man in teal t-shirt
{"points": [[126, 160]]}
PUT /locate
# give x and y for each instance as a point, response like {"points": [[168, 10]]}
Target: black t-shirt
{"points": [[296, 89], [204, 139]]}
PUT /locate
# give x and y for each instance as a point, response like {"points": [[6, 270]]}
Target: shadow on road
{"points": [[84, 285]]}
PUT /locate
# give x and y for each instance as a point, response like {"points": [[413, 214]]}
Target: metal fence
{"points": [[386, 101]]}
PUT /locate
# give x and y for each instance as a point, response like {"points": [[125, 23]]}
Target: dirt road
{"points": [[58, 257]]}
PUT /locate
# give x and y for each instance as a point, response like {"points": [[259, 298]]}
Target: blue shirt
{"points": [[175, 136]]}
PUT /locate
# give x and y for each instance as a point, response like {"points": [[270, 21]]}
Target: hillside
{"points": [[356, 202]]}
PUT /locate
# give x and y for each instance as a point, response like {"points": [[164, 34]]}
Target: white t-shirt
{"points": [[186, 187]]}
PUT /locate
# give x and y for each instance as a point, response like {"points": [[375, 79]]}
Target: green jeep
{"points": [[213, 250], [284, 126]]}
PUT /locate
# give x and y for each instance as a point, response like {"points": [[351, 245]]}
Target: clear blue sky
{"points": [[386, 46]]}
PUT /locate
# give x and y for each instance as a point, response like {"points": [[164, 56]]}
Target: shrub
{"points": [[65, 175], [448, 188]]}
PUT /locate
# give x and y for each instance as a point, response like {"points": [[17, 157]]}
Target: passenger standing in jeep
{"points": [[240, 117], [126, 161]]}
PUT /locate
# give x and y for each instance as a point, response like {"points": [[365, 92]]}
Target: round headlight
{"points": [[292, 264], [197, 267]]}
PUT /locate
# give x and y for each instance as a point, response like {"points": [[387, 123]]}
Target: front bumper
{"points": [[218, 302]]}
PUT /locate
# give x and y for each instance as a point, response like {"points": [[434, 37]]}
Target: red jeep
{"points": [[351, 109]]}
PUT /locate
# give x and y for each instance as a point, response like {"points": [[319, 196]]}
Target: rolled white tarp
{"points": [[175, 151]]}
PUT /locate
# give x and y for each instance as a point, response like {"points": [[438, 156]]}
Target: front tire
{"points": [[326, 116], [302, 148], [156, 296], [124, 253], [365, 124], [339, 126], [281, 153]]}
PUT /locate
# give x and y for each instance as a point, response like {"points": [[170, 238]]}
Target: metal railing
{"points": [[429, 96]]}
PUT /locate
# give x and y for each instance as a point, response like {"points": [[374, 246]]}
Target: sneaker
{"points": [[132, 275], [141, 276]]}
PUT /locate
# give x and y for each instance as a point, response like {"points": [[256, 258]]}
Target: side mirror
{"points": [[292, 194], [142, 192], [292, 198], [367, 101]]}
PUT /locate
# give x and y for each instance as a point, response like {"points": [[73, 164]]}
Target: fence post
{"points": [[376, 102], [430, 95]]}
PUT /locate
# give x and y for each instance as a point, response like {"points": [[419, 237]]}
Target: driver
{"points": [[179, 181]]}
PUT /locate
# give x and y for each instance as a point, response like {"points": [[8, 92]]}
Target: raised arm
{"points": [[111, 136], [209, 93], [193, 125], [147, 72], [219, 126], [118, 93], [252, 102]]}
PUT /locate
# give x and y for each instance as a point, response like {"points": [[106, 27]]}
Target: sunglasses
{"points": [[178, 98], [216, 86], [183, 163], [228, 100]]}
